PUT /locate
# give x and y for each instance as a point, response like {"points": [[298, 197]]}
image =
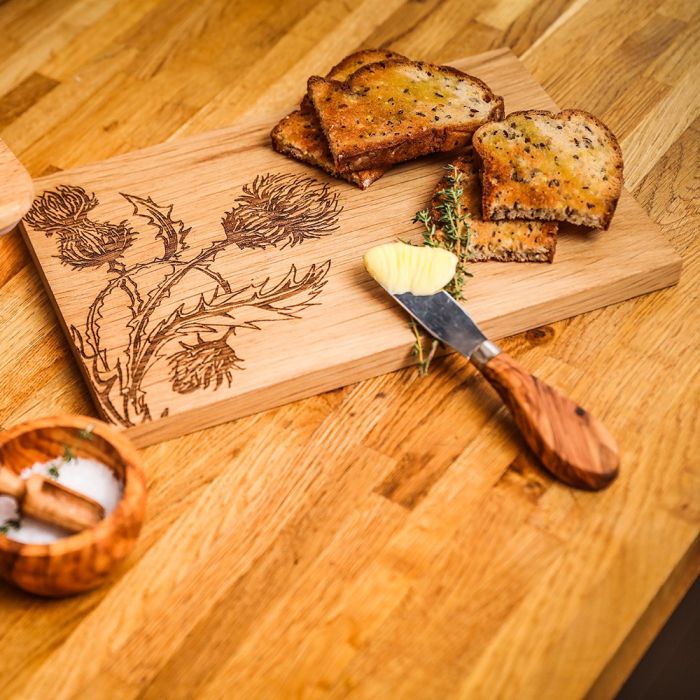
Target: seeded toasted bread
{"points": [[350, 64], [507, 241], [396, 110], [299, 134], [539, 165]]}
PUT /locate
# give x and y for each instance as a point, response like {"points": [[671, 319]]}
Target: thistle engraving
{"points": [[281, 210], [192, 340], [82, 242]]}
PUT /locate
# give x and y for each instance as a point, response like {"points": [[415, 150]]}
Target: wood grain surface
{"points": [[394, 538], [173, 296]]}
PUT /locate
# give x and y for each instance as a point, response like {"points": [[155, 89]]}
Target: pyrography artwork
{"points": [[194, 340]]}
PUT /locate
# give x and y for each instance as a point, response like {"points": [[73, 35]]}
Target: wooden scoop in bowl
{"points": [[47, 500]]}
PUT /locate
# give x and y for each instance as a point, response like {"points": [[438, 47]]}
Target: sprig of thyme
{"points": [[424, 217], [424, 359], [452, 231]]}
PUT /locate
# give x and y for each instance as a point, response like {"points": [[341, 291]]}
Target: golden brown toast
{"points": [[299, 134], [539, 165], [507, 241], [396, 110], [342, 70]]}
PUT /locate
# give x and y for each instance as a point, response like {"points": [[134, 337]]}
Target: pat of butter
{"points": [[401, 268]]}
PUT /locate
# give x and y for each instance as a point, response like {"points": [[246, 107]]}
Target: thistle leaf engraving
{"points": [[193, 340], [172, 233]]}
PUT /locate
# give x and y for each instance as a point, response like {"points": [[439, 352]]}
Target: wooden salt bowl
{"points": [[85, 560]]}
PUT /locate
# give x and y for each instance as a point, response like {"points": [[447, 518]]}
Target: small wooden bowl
{"points": [[85, 560]]}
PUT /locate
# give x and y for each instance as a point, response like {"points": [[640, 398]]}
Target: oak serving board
{"points": [[202, 280]]}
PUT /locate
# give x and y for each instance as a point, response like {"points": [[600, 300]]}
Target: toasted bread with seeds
{"points": [[396, 110], [299, 134], [507, 241], [350, 64], [539, 165]]}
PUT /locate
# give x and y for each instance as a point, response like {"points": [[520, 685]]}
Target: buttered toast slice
{"points": [[299, 134], [539, 165], [396, 110], [507, 241], [350, 64]]}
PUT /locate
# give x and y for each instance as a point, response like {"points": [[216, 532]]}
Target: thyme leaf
{"points": [[54, 471]]}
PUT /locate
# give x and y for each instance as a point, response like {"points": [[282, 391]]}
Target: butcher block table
{"points": [[394, 538]]}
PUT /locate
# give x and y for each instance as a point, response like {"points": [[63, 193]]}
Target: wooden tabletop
{"points": [[393, 538]]}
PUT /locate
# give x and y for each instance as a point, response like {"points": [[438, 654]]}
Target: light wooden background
{"points": [[391, 539]]}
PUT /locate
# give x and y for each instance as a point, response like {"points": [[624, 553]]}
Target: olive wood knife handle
{"points": [[573, 445]]}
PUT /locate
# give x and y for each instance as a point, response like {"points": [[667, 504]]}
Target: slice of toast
{"points": [[350, 64], [539, 165], [299, 134], [396, 110], [507, 241]]}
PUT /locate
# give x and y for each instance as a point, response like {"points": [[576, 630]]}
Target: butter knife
{"points": [[574, 446]]}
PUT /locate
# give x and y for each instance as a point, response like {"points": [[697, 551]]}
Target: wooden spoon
{"points": [[16, 190], [51, 502]]}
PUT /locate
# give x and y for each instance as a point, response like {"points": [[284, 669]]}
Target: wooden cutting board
{"points": [[209, 278]]}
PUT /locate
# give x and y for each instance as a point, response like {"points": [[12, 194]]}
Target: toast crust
{"points": [[505, 241], [564, 166], [396, 110]]}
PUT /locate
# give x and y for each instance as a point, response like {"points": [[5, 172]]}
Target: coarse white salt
{"points": [[86, 476]]}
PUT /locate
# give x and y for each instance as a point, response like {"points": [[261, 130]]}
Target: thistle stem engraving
{"points": [[192, 340]]}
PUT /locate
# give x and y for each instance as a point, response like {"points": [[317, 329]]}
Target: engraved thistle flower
{"points": [[65, 207], [281, 210], [82, 242], [199, 365]]}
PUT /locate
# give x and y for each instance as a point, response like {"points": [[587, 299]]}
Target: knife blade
{"points": [[573, 445], [445, 319]]}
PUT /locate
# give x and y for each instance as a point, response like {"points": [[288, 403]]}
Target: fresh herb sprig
{"points": [[452, 230], [423, 358]]}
